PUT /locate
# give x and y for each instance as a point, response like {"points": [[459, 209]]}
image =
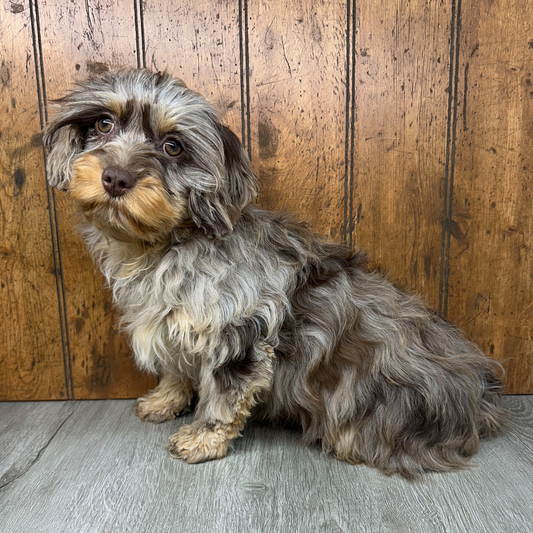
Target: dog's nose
{"points": [[116, 181]]}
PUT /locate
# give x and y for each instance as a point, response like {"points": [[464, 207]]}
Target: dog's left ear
{"points": [[216, 212], [64, 140]]}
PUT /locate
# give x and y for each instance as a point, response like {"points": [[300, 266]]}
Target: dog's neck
{"points": [[121, 257]]}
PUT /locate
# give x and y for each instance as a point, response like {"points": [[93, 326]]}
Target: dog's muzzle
{"points": [[117, 182]]}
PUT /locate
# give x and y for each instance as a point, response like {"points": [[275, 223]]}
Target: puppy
{"points": [[249, 310]]}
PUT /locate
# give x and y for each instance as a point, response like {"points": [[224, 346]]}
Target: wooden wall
{"points": [[401, 126]]}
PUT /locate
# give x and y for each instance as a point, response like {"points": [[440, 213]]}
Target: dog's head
{"points": [[142, 155]]}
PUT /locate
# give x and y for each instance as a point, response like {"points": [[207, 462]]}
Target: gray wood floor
{"points": [[93, 467]]}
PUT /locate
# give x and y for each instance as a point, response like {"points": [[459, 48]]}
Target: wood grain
{"points": [[31, 356], [26, 429], [80, 39], [199, 43], [401, 77], [491, 265], [95, 467], [297, 86]]}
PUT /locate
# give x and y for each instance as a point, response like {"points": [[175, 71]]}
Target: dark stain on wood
{"points": [[19, 180]]}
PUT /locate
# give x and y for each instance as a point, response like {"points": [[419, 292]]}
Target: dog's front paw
{"points": [[199, 442], [153, 408], [146, 412]]}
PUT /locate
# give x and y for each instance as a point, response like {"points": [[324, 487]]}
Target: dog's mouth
{"points": [[123, 205]]}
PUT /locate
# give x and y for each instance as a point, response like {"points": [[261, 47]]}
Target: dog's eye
{"points": [[105, 125], [172, 147]]}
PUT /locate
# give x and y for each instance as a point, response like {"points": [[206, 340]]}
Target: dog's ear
{"points": [[216, 212], [64, 140]]}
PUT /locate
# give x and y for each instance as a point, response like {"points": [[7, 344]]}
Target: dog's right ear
{"points": [[64, 140]]}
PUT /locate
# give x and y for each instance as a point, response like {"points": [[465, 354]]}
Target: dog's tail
{"points": [[492, 415]]}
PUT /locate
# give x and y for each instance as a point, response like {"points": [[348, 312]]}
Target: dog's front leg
{"points": [[228, 391]]}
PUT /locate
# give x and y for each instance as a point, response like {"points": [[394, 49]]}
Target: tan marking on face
{"points": [[86, 185], [118, 106], [152, 209], [147, 212]]}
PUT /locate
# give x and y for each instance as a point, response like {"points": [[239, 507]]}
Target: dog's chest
{"points": [[178, 308], [170, 317]]}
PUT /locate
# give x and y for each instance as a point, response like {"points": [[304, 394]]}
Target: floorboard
{"points": [[93, 467]]}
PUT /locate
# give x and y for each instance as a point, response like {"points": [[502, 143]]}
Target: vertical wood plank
{"points": [[297, 94], [80, 39], [491, 265], [400, 82], [198, 41], [31, 359]]}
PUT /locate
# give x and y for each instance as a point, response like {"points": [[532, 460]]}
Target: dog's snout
{"points": [[116, 181]]}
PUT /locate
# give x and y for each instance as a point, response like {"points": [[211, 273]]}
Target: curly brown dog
{"points": [[249, 310]]}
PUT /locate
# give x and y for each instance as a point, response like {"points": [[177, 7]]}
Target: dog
{"points": [[248, 312]]}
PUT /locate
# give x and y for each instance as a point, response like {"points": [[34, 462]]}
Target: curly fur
{"points": [[250, 310]]}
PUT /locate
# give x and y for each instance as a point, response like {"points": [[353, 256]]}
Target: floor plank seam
{"points": [[9, 480]]}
